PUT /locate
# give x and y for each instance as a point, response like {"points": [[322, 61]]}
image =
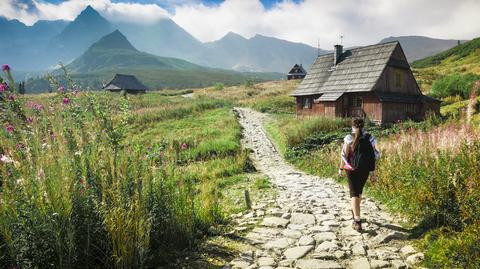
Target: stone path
{"points": [[308, 225]]}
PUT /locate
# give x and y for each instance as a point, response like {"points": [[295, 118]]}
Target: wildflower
{"points": [[184, 146], [29, 120], [3, 87], [66, 100], [9, 128], [19, 146], [5, 67], [61, 89], [11, 97], [5, 159]]}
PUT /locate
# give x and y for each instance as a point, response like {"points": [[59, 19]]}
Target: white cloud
{"points": [[361, 21], [68, 10]]}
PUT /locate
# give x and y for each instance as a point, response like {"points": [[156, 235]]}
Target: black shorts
{"points": [[356, 181]]}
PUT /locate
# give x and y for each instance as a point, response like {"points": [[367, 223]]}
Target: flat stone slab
{"points": [[275, 222], [359, 263], [317, 264], [324, 236], [327, 246], [379, 264], [292, 233], [306, 240], [297, 252], [266, 261], [280, 243], [300, 218]]}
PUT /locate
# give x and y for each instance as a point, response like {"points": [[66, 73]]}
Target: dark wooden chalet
{"points": [[373, 81], [127, 83], [297, 72]]}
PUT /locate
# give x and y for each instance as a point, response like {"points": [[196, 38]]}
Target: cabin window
{"points": [[307, 102], [398, 79], [357, 102]]}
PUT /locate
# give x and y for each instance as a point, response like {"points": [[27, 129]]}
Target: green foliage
{"points": [[219, 86], [454, 84], [83, 186], [262, 183], [458, 52], [249, 83]]}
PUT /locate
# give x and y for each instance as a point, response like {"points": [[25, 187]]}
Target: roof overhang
{"points": [[329, 97]]}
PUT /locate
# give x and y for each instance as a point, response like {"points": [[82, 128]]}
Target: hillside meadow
{"points": [[435, 185], [92, 179]]}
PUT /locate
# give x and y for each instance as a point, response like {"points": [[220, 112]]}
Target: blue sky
{"points": [[361, 22]]}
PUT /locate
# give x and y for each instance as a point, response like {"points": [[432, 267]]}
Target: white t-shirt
{"points": [[348, 140]]}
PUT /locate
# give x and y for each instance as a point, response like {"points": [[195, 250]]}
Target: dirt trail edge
{"points": [[309, 225]]}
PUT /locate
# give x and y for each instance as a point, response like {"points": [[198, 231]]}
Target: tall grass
{"points": [[427, 172], [81, 188]]}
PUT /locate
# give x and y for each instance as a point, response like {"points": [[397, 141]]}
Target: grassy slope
{"points": [[297, 139], [463, 59]]}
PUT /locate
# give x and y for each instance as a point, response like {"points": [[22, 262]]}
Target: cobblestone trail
{"points": [[308, 225]]}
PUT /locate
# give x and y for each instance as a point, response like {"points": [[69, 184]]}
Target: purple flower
{"points": [[29, 120], [66, 101], [9, 128], [11, 97], [61, 89], [3, 87], [184, 146], [5, 67]]}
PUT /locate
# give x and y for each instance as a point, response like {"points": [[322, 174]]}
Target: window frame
{"points": [[307, 103]]}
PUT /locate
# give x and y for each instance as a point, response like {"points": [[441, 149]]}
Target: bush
{"points": [[219, 86], [455, 84]]}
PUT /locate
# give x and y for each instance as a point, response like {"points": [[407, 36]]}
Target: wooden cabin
{"points": [[297, 72], [374, 82], [127, 83]]}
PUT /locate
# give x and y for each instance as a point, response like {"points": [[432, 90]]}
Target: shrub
{"points": [[455, 84], [219, 86]]}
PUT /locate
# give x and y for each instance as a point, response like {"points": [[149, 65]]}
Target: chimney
{"points": [[337, 53]]}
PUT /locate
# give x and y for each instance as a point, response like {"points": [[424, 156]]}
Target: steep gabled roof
{"points": [[297, 70], [357, 70], [125, 82]]}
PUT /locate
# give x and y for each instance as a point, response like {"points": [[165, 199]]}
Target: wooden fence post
{"points": [[248, 202]]}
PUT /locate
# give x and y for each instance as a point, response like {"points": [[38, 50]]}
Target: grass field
{"points": [[94, 180]]}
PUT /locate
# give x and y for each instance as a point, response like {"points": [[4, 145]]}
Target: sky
{"points": [[361, 22]]}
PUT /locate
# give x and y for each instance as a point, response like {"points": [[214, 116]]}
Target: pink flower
{"points": [[29, 120], [3, 87], [66, 101], [5, 159], [6, 67], [184, 146], [9, 128], [20, 146], [61, 89]]}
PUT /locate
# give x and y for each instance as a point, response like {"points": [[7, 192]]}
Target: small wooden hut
{"points": [[127, 83], [297, 72], [373, 82]]}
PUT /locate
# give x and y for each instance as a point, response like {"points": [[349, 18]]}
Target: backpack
{"points": [[363, 157]]}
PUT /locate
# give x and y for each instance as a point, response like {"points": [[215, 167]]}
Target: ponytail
{"points": [[358, 124]]}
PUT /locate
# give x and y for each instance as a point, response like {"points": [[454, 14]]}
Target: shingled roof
{"points": [[358, 70], [297, 70], [125, 82]]}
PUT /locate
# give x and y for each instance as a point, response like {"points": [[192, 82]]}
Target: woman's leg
{"points": [[356, 207]]}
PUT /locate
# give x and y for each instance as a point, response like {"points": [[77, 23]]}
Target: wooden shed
{"points": [[127, 83], [373, 82], [297, 72]]}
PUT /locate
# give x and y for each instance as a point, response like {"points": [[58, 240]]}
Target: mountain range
{"points": [[418, 47], [43, 45]]}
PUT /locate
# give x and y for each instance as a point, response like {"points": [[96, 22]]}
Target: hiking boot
{"points": [[357, 225]]}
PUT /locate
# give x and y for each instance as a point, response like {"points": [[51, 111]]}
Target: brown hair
{"points": [[358, 123]]}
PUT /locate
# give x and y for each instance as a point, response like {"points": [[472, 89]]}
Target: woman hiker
{"points": [[358, 160]]}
